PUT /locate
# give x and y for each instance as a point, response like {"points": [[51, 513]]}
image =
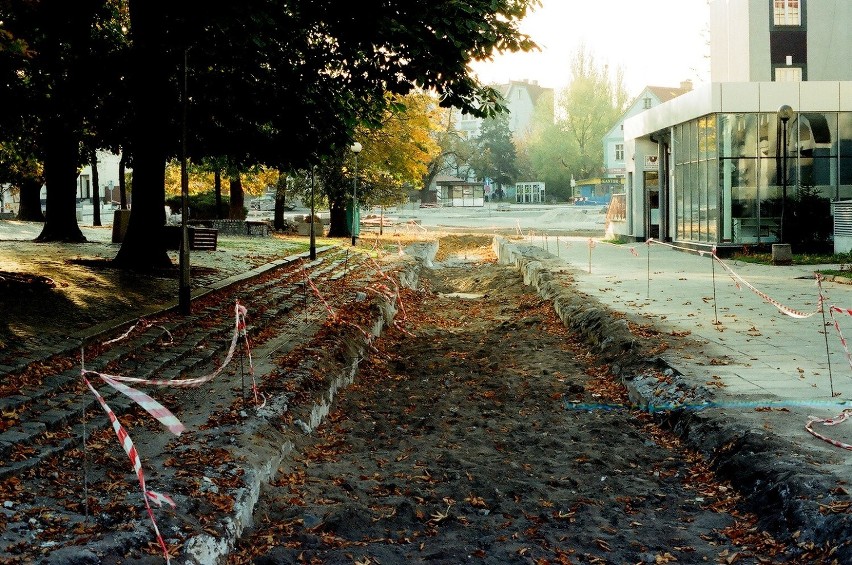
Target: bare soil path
{"points": [[454, 446]]}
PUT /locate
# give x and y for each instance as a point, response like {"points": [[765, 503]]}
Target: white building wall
{"points": [[829, 39], [730, 46]]}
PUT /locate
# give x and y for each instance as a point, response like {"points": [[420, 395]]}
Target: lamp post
{"points": [[785, 112], [313, 249], [184, 294], [356, 148]]}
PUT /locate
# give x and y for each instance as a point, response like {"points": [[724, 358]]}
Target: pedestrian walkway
{"points": [[770, 351]]}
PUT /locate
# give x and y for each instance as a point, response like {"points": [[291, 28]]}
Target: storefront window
{"points": [[713, 200], [726, 174]]}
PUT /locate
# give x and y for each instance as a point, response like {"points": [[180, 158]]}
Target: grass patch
{"points": [[842, 259]]}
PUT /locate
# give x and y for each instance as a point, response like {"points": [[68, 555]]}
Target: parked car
{"points": [[267, 203], [263, 203]]}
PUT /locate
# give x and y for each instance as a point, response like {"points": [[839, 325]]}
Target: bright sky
{"points": [[656, 42]]}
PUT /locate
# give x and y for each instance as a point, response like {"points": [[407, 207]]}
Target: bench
{"points": [[202, 239]]}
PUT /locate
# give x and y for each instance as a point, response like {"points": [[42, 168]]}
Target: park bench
{"points": [[203, 239], [200, 238]]}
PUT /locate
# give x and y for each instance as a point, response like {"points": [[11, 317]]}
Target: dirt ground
{"points": [[454, 446]]}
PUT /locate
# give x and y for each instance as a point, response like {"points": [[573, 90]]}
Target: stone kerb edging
{"points": [[608, 336], [766, 469], [271, 445]]}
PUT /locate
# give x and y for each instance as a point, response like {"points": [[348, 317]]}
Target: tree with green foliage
{"points": [[455, 151], [544, 154], [55, 64], [497, 157], [290, 80], [586, 110]]}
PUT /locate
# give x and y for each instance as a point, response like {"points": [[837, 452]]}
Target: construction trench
{"points": [[448, 438]]}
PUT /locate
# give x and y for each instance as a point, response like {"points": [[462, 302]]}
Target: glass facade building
{"points": [[727, 174]]}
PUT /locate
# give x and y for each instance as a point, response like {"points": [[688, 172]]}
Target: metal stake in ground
{"points": [[306, 293], [648, 291], [557, 246], [85, 453], [713, 269], [591, 246], [825, 332], [241, 340]]}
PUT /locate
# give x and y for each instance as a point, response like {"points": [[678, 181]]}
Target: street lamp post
{"points": [[356, 148], [785, 112], [313, 249], [184, 294]]}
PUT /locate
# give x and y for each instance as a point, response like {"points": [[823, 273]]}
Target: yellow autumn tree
{"points": [[397, 153], [254, 180]]}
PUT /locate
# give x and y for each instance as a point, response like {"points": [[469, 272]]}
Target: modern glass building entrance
{"points": [[728, 175]]}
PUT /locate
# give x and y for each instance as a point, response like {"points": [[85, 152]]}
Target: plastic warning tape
{"points": [[793, 313], [154, 408], [141, 323], [701, 253], [842, 417], [843, 341], [239, 311], [130, 450], [317, 292]]}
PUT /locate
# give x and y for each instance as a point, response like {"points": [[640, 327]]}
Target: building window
{"points": [[646, 103], [787, 13], [788, 74], [619, 152]]}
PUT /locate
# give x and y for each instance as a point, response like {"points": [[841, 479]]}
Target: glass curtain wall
{"points": [[728, 183], [696, 192]]}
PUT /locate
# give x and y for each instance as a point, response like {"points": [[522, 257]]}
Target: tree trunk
{"points": [[280, 199], [217, 190], [122, 183], [96, 191], [30, 194], [237, 198], [144, 245], [60, 175]]}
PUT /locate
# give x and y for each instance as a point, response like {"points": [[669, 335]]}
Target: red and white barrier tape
{"points": [[239, 311], [842, 417], [317, 292], [398, 324], [160, 412], [793, 313], [738, 280], [843, 341], [130, 450], [154, 408], [143, 324]]}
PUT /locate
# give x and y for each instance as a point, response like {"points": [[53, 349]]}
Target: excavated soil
{"points": [[454, 445]]}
